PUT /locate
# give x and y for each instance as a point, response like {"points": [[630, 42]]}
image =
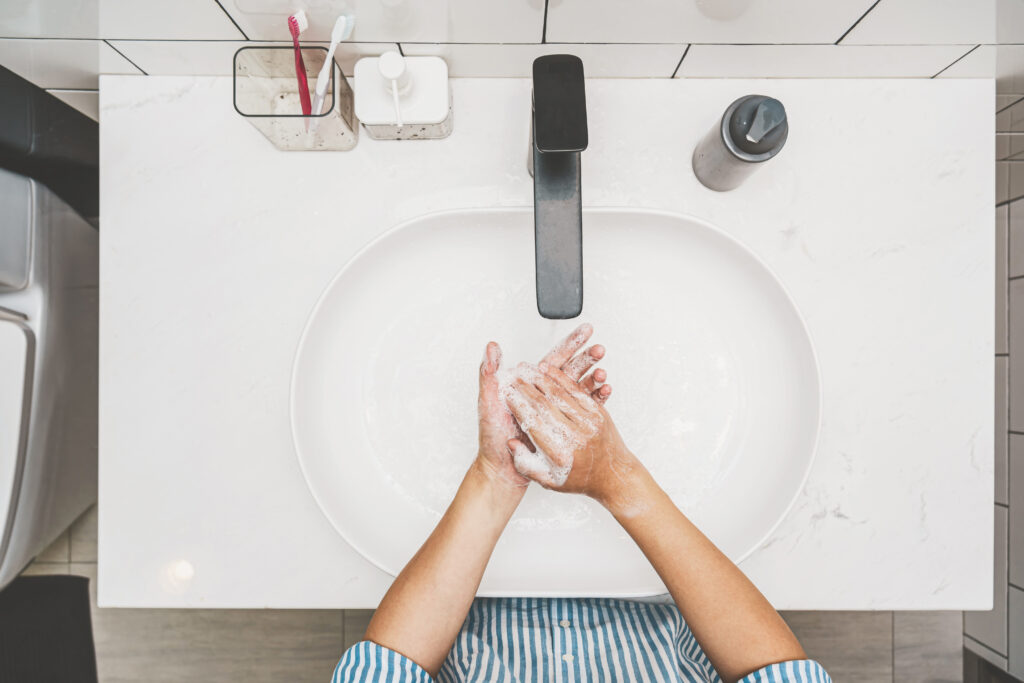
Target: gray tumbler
{"points": [[752, 130]]}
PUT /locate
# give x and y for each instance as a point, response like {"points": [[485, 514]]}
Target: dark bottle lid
{"points": [[757, 126]]}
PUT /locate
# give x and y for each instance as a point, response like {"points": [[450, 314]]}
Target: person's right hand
{"points": [[584, 451], [497, 425]]}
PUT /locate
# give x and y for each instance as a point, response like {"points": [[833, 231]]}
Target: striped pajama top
{"points": [[565, 639]]}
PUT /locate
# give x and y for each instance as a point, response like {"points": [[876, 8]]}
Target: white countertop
{"points": [[877, 218]]}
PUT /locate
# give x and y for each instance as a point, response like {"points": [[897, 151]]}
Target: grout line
{"points": [[1007, 202], [892, 631], [1002, 355], [544, 29], [1006, 601], [1015, 277], [1012, 104], [43, 38], [192, 40], [957, 60], [1002, 505], [232, 19], [1006, 541], [680, 62], [857, 22], [126, 57], [1006, 538]]}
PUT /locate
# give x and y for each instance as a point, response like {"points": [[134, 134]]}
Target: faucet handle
{"points": [[559, 104]]}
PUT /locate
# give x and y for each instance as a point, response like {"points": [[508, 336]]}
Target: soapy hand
{"points": [[497, 426], [578, 448]]}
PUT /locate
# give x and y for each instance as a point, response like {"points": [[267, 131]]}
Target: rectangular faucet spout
{"points": [[558, 133]]}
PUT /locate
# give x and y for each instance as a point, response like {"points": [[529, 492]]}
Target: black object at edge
{"points": [[46, 631], [50, 141]]}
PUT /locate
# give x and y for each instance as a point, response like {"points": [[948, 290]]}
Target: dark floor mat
{"points": [[46, 632]]}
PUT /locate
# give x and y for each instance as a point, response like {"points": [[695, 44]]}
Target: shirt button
{"points": [[565, 623], [567, 658]]}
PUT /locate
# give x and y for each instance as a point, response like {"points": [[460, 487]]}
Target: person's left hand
{"points": [[497, 426]]}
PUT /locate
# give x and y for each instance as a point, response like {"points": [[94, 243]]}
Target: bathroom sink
{"points": [[715, 378]]}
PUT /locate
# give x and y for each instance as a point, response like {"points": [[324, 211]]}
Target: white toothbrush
{"points": [[342, 30]]}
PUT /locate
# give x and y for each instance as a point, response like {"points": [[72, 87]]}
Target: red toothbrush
{"points": [[297, 23]]}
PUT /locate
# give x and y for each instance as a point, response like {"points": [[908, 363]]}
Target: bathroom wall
{"points": [[998, 635], [62, 45]]}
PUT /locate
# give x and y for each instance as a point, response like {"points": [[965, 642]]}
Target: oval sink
{"points": [[716, 388]]}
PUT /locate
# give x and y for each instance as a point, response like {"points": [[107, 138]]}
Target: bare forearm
{"points": [[423, 611], [735, 625]]}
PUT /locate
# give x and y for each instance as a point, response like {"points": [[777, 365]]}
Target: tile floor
{"points": [[160, 645]]}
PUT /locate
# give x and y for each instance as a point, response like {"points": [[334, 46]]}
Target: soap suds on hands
{"points": [[551, 469]]}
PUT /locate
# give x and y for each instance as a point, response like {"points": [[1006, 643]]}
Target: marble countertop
{"points": [[877, 218]]}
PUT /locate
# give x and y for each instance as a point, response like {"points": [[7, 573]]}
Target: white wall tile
{"points": [[1007, 117], [1016, 345], [156, 19], [926, 22], [83, 536], [45, 569], [724, 21], [166, 20], [85, 101], [199, 58], [1004, 62], [816, 61], [1001, 428], [62, 64], [1009, 21], [428, 21], [989, 628], [58, 551], [1016, 168], [1010, 120], [980, 63], [50, 19], [1015, 614], [984, 652], [1015, 214], [1002, 262], [1006, 101], [1016, 529], [515, 61]]}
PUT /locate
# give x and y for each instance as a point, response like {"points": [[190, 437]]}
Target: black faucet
{"points": [[558, 133]]}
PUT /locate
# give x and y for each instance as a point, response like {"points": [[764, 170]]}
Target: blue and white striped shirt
{"points": [[564, 639]]}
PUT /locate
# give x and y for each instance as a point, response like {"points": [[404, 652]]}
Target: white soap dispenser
{"points": [[403, 98]]}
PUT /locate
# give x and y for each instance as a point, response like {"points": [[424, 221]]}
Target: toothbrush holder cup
{"points": [[266, 94]]}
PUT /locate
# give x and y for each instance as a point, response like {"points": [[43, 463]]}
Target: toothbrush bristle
{"points": [[298, 22], [338, 33]]}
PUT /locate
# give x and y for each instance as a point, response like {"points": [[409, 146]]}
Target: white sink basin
{"points": [[716, 388]]}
